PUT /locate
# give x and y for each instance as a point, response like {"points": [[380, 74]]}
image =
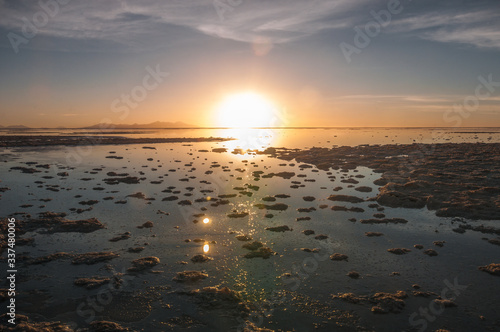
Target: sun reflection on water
{"points": [[249, 139]]}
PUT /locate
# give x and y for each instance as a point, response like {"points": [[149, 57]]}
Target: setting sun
{"points": [[246, 110]]}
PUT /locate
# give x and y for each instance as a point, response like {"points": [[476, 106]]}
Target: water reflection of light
{"points": [[249, 138], [206, 221], [206, 248]]}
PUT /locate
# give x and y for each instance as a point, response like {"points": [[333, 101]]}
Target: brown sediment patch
{"points": [[147, 224], [255, 245], [307, 210], [276, 207], [201, 258], [120, 237], [91, 282], [170, 198], [308, 232], [262, 252], [384, 221], [430, 252], [136, 249], [24, 323], [283, 228], [53, 222], [284, 175], [423, 293], [398, 251], [89, 202], [455, 180], [314, 250], [219, 298], [383, 303], [494, 241], [345, 198], [338, 257], [372, 234], [493, 268], [237, 215], [480, 228], [445, 303], [346, 209], [227, 196], [93, 257], [126, 180], [143, 263], [190, 276], [106, 326], [244, 237], [139, 195]]}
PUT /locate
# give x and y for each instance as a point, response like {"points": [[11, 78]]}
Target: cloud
{"points": [[422, 103], [124, 22], [484, 37], [480, 28]]}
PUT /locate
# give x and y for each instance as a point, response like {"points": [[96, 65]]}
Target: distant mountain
{"points": [[17, 127], [153, 125]]}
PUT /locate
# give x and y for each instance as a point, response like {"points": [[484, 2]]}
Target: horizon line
{"points": [[18, 127]]}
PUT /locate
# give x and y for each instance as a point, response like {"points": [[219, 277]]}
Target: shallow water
{"points": [[313, 276]]}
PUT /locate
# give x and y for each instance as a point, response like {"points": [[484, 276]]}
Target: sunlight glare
{"points": [[246, 110]]}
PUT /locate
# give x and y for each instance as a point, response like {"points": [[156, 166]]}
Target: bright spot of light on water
{"points": [[206, 248], [206, 221]]}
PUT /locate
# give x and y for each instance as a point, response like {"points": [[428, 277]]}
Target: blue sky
{"points": [[420, 68]]}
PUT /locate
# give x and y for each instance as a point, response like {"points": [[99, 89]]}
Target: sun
{"points": [[246, 110]]}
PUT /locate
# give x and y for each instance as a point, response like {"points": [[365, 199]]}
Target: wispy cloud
{"points": [[423, 103], [123, 21], [480, 28]]}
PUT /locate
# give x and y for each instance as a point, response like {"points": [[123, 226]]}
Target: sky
{"points": [[337, 63]]}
